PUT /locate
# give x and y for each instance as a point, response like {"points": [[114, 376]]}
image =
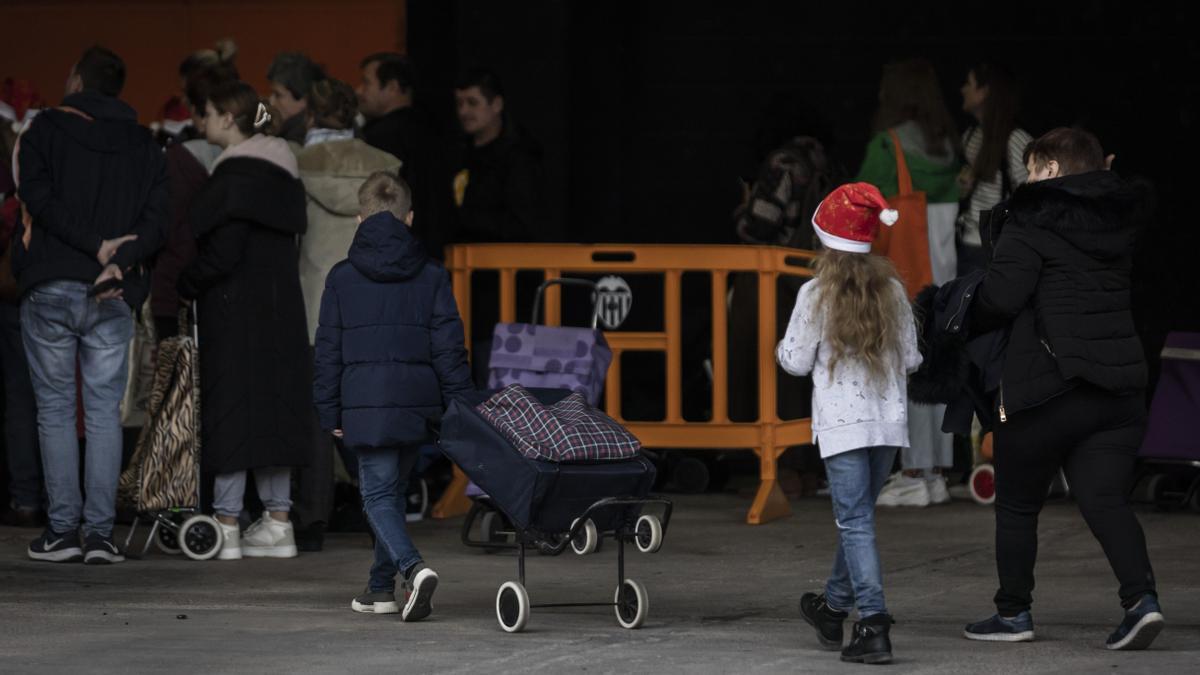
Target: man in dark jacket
{"points": [[396, 126], [94, 186], [1071, 395], [498, 181], [389, 354]]}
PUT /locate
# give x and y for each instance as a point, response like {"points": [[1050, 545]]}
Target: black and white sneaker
{"points": [[375, 602], [55, 547], [421, 583], [99, 549]]}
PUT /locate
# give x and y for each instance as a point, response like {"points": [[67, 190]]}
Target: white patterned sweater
{"points": [[850, 411]]}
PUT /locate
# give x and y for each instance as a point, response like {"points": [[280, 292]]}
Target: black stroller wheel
{"points": [[512, 607], [649, 534], [167, 540], [200, 537], [631, 604]]}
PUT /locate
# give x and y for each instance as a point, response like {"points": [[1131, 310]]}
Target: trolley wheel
{"points": [[587, 540], [983, 484], [649, 534], [632, 604], [512, 607], [167, 539], [200, 537]]}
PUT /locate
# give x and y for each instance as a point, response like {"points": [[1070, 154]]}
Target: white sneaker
{"points": [[269, 538], [938, 493], [902, 490], [231, 542]]}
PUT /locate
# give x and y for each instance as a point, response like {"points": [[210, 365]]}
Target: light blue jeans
{"points": [[855, 479], [274, 485], [60, 324]]}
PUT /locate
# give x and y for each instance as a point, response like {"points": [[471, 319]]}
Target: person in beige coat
{"points": [[333, 165]]}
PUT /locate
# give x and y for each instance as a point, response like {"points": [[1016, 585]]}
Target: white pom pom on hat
{"points": [[889, 216]]}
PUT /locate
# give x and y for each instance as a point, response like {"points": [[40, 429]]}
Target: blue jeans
{"points": [[855, 480], [383, 475], [61, 325]]}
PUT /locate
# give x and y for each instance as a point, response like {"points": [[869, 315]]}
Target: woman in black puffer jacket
{"points": [[1072, 394]]}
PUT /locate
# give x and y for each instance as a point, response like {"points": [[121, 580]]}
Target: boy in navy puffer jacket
{"points": [[389, 354]]}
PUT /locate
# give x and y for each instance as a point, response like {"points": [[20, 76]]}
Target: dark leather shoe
{"points": [[869, 642], [827, 621]]}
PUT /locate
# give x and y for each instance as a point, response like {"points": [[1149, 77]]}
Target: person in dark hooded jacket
{"points": [[1072, 385], [389, 355], [245, 279], [94, 191]]}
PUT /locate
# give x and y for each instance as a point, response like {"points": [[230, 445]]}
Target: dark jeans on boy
{"points": [[383, 475], [20, 415], [1093, 435]]}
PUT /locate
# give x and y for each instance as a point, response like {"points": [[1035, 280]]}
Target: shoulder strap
{"points": [[903, 177]]}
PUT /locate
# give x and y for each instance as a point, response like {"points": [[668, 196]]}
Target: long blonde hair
{"points": [[857, 297]]}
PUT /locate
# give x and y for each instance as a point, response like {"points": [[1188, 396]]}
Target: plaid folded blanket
{"points": [[570, 430]]}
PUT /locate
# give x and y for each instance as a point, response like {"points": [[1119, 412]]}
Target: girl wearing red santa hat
{"points": [[853, 329]]}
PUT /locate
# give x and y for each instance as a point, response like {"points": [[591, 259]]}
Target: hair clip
{"points": [[261, 117]]}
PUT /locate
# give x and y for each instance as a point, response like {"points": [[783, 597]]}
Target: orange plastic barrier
{"points": [[767, 437]]}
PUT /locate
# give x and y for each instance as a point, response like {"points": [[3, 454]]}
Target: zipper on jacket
{"points": [[1003, 415], [1048, 349], [962, 301]]}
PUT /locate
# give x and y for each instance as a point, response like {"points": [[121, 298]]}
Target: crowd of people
{"points": [[303, 231], [240, 208]]}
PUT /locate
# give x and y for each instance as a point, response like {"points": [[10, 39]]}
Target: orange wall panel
{"points": [[43, 39]]}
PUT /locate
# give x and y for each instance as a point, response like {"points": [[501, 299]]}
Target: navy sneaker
{"points": [[1142, 623], [99, 549], [55, 547], [1000, 629]]}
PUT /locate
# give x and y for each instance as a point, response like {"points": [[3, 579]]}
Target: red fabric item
{"points": [[21, 95], [848, 218], [175, 110]]}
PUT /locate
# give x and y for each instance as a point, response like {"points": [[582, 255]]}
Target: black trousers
{"points": [[1093, 435]]}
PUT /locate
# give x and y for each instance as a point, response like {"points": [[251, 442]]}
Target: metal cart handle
{"points": [[537, 300]]}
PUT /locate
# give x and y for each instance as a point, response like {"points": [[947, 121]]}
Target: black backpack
{"points": [[792, 181]]}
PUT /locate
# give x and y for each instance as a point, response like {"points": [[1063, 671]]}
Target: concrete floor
{"points": [[723, 600]]}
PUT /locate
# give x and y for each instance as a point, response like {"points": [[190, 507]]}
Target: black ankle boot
{"points": [[827, 621], [869, 643]]}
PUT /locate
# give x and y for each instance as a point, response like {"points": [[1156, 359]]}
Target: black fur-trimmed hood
{"points": [[1096, 212]]}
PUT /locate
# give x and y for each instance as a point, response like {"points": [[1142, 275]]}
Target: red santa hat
{"points": [[848, 218]]}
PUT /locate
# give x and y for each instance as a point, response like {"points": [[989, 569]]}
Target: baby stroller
{"points": [[551, 505], [532, 355], [163, 478], [1170, 453]]}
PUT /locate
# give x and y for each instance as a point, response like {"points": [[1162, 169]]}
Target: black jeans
{"points": [[1093, 435], [26, 489]]}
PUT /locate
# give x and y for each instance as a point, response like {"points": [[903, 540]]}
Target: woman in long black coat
{"points": [[255, 375]]}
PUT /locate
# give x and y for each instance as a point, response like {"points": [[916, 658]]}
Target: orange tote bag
{"points": [[907, 242]]}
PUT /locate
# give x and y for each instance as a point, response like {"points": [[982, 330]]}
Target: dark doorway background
{"points": [[650, 111]]}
